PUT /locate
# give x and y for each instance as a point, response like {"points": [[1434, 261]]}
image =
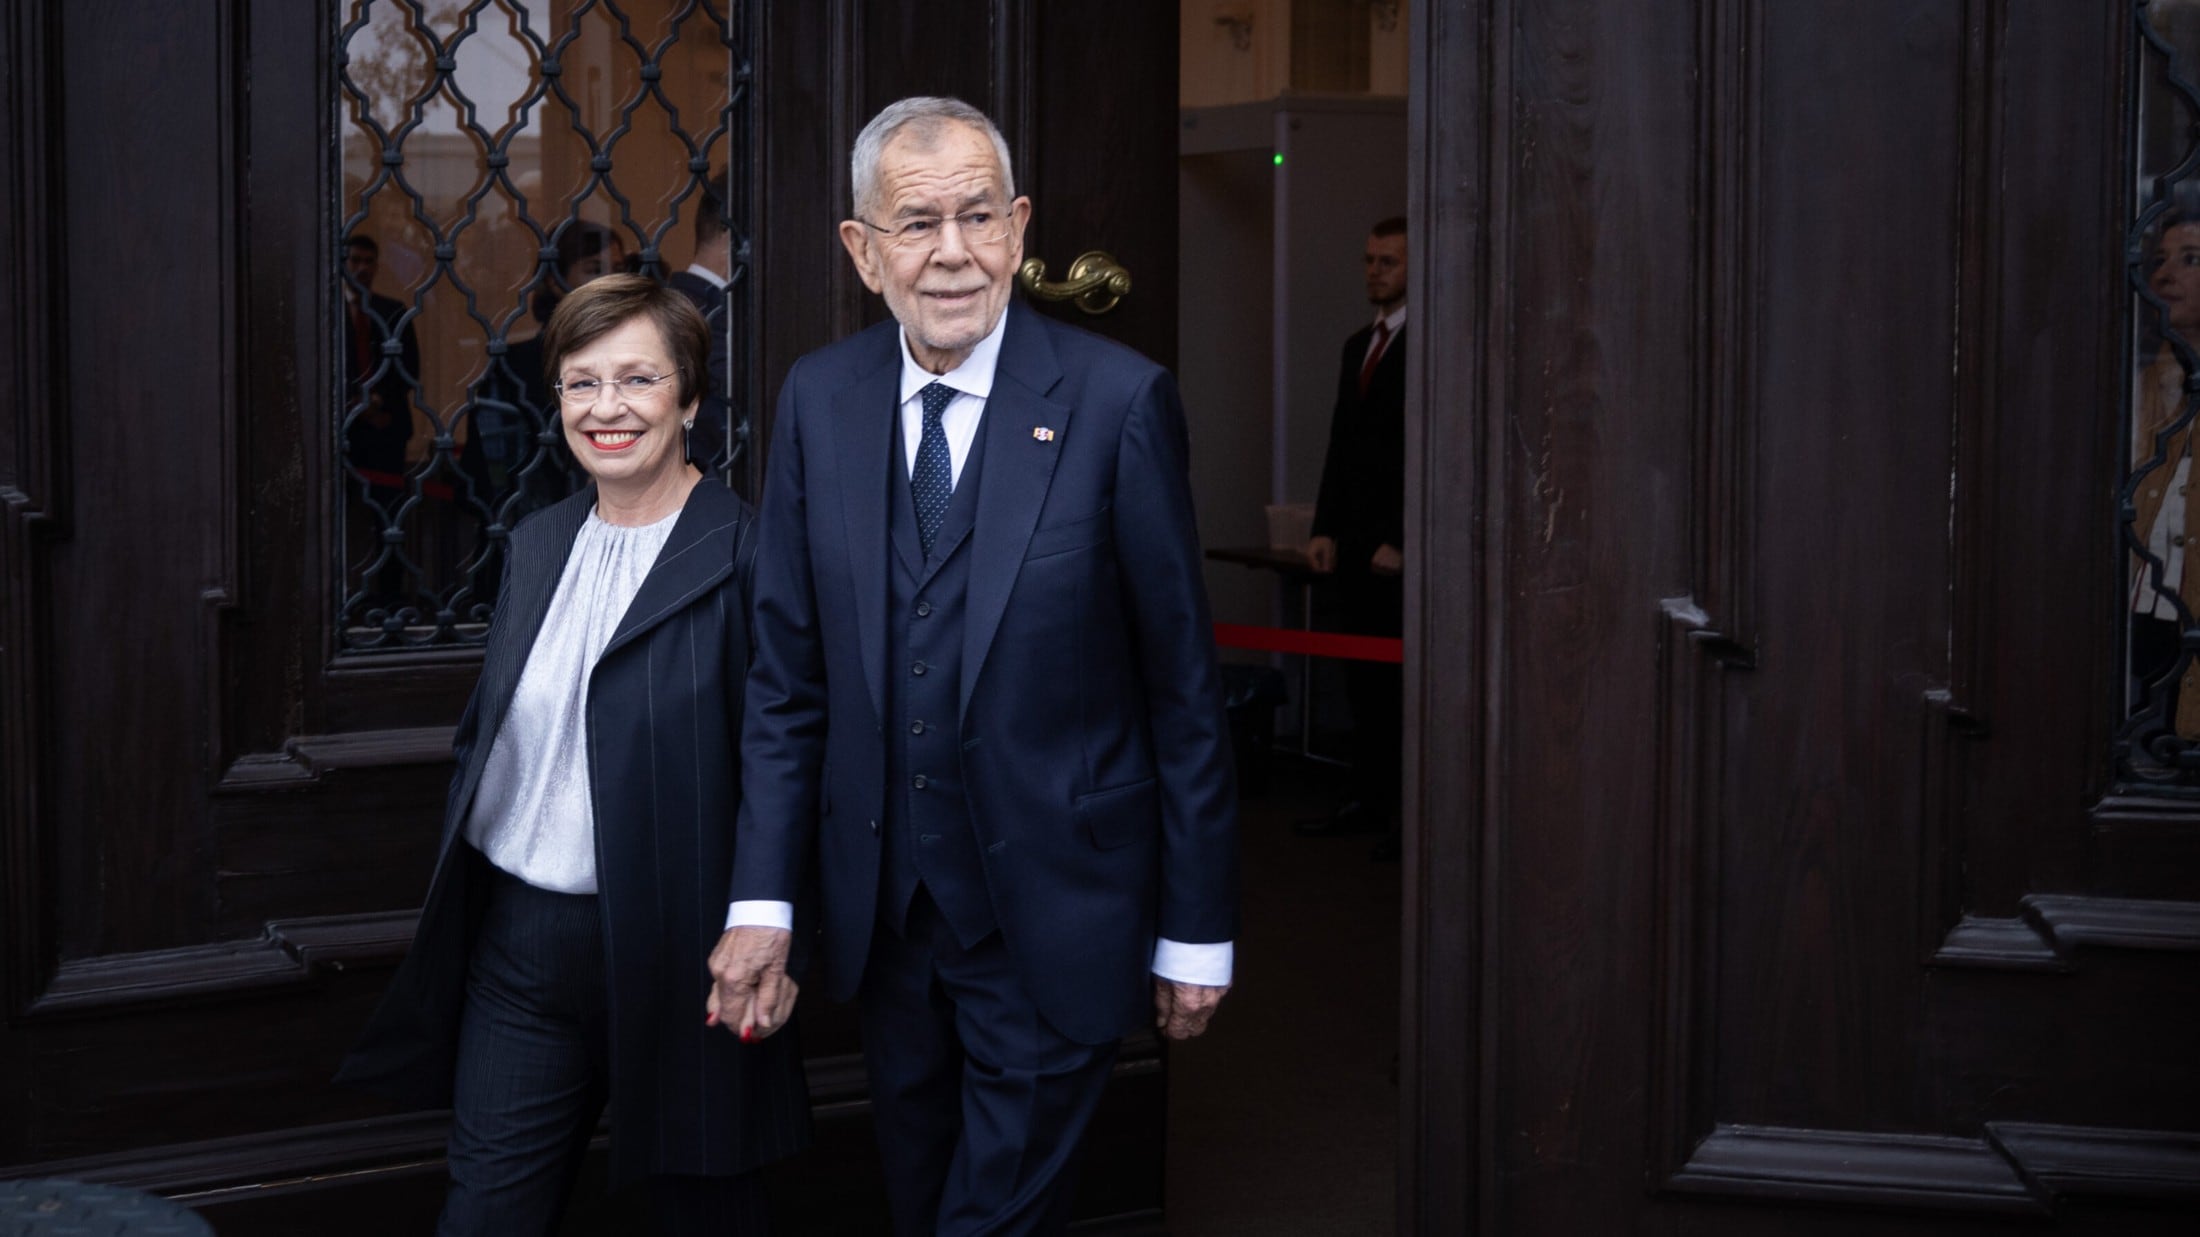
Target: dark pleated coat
{"points": [[664, 714]]}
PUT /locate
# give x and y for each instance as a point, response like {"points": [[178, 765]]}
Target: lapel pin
{"points": [[1043, 434]]}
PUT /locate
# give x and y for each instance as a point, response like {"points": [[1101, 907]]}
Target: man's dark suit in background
{"points": [[377, 415], [704, 283], [377, 386], [1359, 525]]}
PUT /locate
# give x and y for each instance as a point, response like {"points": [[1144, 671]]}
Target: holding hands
{"points": [[751, 994]]}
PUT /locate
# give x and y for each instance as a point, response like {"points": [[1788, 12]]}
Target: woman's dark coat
{"points": [[664, 716]]}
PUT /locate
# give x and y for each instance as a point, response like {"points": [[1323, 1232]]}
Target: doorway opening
{"points": [[1292, 150]]}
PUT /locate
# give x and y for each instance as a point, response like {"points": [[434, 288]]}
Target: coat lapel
{"points": [[1019, 466], [865, 448], [696, 557], [537, 555]]}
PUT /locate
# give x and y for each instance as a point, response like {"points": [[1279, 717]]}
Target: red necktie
{"points": [[1374, 354]]}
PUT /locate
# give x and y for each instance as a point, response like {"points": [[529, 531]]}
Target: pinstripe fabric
{"points": [[530, 814], [664, 703]]}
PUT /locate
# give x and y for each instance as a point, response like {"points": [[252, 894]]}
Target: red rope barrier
{"points": [[1311, 643]]}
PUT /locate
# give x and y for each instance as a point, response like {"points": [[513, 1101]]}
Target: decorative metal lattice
{"points": [[2158, 743], [495, 154]]}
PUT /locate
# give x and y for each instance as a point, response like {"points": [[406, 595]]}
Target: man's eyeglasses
{"points": [[581, 392], [923, 232]]}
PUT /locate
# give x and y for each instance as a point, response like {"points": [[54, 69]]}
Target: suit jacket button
{"points": [[874, 827], [916, 727], [917, 781], [917, 670], [924, 609]]}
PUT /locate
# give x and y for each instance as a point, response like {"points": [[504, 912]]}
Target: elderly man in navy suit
{"points": [[984, 710]]}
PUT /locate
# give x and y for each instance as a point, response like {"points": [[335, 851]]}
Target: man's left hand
{"points": [[1181, 1011], [751, 993], [1386, 561]]}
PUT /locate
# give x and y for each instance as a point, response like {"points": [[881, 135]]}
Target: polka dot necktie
{"points": [[934, 478]]}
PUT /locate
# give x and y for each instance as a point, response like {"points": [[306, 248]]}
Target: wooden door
{"points": [[219, 803], [1780, 859]]}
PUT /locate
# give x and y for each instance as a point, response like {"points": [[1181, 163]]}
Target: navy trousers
{"points": [[533, 1078], [978, 1103]]}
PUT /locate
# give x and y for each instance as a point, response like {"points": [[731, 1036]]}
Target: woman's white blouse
{"points": [[532, 815]]}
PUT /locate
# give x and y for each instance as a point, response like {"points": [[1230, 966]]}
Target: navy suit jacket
{"points": [[1095, 753], [664, 703]]}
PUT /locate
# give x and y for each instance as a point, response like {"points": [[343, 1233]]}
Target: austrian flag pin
{"points": [[1043, 434]]}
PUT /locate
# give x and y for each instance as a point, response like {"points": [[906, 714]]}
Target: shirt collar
{"points": [[1395, 319], [973, 377], [704, 273]]}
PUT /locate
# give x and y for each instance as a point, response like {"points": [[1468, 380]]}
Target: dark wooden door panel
{"points": [[1097, 100], [217, 822], [1785, 364]]}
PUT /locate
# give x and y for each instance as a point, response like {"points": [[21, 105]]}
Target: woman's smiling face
{"points": [[627, 435]]}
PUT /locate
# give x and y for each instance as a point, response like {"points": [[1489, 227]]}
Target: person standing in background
{"points": [[1359, 532], [705, 282], [377, 415]]}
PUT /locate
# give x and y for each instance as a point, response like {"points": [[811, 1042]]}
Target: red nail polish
{"points": [[748, 1036], [710, 1019]]}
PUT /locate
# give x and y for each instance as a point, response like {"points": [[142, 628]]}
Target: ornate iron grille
{"points": [[495, 154], [2158, 743]]}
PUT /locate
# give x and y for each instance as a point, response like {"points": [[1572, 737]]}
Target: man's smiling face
{"points": [[947, 295]]}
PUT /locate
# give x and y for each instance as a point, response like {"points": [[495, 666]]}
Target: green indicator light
{"points": [[1279, 158]]}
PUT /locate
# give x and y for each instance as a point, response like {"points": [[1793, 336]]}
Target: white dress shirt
{"points": [[707, 275], [1392, 323], [532, 814], [1208, 964]]}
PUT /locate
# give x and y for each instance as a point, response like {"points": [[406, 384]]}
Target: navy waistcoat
{"points": [[930, 839]]}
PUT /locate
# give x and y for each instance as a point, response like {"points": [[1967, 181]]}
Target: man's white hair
{"points": [[925, 116]]}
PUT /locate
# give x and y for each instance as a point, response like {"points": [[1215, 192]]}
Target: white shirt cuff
{"points": [[761, 915], [1206, 965]]}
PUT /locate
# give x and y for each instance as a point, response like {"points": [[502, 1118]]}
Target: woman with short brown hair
{"points": [[588, 840]]}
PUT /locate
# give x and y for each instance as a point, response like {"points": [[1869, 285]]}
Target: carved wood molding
{"points": [[1729, 259], [1689, 742], [1842, 1166], [2051, 928], [34, 493], [307, 759], [216, 1169], [286, 955], [2016, 1168], [2145, 811], [2078, 1159], [199, 1169], [1696, 649]]}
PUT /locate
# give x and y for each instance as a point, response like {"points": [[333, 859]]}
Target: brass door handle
{"points": [[1095, 282]]}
